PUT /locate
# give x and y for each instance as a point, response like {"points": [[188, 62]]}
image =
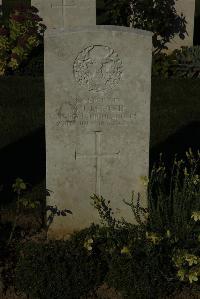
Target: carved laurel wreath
{"points": [[98, 68]]}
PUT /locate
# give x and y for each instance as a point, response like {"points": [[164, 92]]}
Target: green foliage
{"points": [[9, 257], [19, 186], [117, 12], [132, 257], [162, 250], [12, 235], [188, 55], [173, 197], [134, 254], [147, 263], [24, 202], [163, 65], [105, 212], [34, 65], [19, 36], [158, 16], [59, 269], [9, 5], [188, 265], [183, 63], [167, 237], [188, 62]]}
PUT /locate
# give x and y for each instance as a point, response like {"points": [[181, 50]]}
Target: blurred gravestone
{"points": [[66, 13], [187, 7]]}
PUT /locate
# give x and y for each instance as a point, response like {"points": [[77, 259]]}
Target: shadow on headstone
{"points": [[185, 138], [24, 159]]}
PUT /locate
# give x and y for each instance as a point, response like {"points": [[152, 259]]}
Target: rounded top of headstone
{"points": [[99, 28]]}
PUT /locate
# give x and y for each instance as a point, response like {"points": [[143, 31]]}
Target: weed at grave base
{"points": [[162, 251]]}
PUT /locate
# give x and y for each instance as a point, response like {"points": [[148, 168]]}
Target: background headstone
{"points": [[97, 90], [187, 7], [66, 13]]}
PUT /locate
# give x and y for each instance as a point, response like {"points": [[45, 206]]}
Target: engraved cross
{"points": [[64, 4], [98, 156]]}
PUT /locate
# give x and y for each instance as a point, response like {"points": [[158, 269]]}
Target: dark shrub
{"points": [[58, 269], [146, 272]]}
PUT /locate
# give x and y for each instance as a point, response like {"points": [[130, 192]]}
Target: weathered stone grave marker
{"points": [[66, 13], [98, 156], [97, 89], [62, 7]]}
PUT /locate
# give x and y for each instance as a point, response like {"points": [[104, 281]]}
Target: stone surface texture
{"points": [[66, 13], [97, 90]]}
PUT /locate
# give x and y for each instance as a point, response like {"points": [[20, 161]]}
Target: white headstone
{"points": [[66, 13], [97, 90]]}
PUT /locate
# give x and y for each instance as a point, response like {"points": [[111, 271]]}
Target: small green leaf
{"points": [[181, 274], [22, 186], [193, 276]]}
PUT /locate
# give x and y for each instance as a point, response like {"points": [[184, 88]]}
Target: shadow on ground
{"points": [[178, 143], [24, 159]]}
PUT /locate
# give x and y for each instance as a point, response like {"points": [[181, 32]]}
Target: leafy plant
{"points": [[105, 212], [188, 62], [34, 65], [8, 260], [162, 249], [25, 202], [158, 16], [58, 269], [188, 265], [164, 65], [133, 256], [19, 36], [19, 186], [54, 211], [17, 234], [167, 235], [179, 64], [174, 194], [188, 55]]}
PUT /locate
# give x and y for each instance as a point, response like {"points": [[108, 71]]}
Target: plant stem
{"points": [[15, 221]]}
